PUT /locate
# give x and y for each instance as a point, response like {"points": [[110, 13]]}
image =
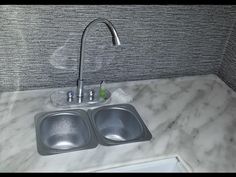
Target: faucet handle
{"points": [[91, 95], [70, 96]]}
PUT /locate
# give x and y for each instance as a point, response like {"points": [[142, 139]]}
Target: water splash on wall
{"points": [[65, 56]]}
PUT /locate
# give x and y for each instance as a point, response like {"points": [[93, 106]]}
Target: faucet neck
{"points": [[88, 27], [80, 88]]}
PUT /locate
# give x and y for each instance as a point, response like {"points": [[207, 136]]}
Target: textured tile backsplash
{"points": [[227, 71], [40, 45]]}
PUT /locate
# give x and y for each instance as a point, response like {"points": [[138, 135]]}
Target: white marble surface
{"points": [[194, 117]]}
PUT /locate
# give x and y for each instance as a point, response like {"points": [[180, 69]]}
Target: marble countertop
{"points": [[193, 117]]}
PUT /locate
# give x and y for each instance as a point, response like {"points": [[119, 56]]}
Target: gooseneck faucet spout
{"points": [[116, 41]]}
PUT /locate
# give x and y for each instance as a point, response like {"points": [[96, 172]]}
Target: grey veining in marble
{"points": [[227, 71], [39, 45], [193, 117]]}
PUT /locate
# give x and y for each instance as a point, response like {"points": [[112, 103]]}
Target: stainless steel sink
{"points": [[72, 130], [64, 131], [118, 124]]}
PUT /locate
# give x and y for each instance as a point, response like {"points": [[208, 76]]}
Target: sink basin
{"points": [[63, 131], [118, 124]]}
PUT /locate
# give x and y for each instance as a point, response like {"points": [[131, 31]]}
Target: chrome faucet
{"points": [[116, 41]]}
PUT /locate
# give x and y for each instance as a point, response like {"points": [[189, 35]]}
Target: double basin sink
{"points": [[77, 129]]}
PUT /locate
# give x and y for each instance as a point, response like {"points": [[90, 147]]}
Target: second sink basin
{"points": [[63, 131], [118, 124]]}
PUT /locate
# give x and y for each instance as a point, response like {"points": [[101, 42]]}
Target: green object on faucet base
{"points": [[102, 93], [102, 90]]}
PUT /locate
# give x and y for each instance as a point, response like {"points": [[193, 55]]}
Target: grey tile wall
{"points": [[227, 71], [40, 45]]}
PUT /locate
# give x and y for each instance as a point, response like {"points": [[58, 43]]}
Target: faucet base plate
{"points": [[59, 98]]}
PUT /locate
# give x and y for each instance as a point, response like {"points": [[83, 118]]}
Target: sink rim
{"points": [[144, 136], [43, 149]]}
